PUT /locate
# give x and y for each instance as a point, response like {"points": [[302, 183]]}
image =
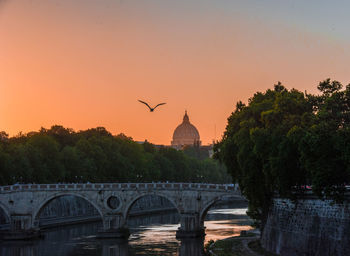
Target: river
{"points": [[150, 235]]}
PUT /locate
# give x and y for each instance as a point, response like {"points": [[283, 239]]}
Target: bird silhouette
{"points": [[150, 108]]}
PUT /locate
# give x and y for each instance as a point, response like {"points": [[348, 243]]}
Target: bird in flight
{"points": [[151, 109]]}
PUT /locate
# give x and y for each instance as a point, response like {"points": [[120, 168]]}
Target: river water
{"points": [[150, 235]]}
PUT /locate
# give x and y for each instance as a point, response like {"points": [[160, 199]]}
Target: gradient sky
{"points": [[85, 63]]}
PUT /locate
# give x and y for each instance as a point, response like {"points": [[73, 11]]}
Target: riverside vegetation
{"points": [[286, 141], [62, 155]]}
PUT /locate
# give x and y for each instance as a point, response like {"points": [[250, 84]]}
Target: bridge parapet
{"points": [[120, 186]]}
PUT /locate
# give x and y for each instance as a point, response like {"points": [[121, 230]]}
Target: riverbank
{"points": [[247, 244]]}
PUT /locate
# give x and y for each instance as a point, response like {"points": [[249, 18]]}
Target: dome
{"points": [[185, 134]]}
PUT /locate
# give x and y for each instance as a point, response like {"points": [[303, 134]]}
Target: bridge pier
{"points": [[190, 226], [21, 228], [114, 227]]}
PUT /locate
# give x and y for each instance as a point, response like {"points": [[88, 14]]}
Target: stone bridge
{"points": [[22, 204]]}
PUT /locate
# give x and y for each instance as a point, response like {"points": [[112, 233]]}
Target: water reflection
{"points": [[188, 247], [145, 239], [115, 248], [18, 248], [193, 247]]}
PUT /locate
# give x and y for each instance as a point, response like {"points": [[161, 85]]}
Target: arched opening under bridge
{"points": [[228, 212], [4, 218], [152, 219], [66, 209]]}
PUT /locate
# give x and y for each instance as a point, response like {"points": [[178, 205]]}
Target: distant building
{"points": [[186, 134], [186, 137], [209, 149]]}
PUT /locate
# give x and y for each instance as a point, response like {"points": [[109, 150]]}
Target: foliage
{"points": [[284, 140], [196, 151], [227, 247], [59, 154]]}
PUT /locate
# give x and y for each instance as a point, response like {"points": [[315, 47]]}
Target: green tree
{"points": [[45, 158], [284, 140], [254, 145], [324, 148], [60, 154]]}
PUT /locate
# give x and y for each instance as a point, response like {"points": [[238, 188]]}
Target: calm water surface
{"points": [[145, 239]]}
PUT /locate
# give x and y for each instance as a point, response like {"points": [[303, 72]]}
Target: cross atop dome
{"points": [[186, 118]]}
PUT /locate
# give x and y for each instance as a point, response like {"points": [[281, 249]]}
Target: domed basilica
{"points": [[185, 134]]}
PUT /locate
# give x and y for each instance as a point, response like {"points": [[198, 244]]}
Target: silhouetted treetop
{"points": [[61, 154], [284, 140]]}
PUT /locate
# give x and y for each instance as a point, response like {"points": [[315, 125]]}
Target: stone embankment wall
{"points": [[310, 227]]}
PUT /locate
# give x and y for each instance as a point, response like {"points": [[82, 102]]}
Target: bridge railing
{"points": [[119, 186]]}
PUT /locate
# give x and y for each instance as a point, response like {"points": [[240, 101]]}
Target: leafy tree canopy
{"points": [[284, 140], [60, 154]]}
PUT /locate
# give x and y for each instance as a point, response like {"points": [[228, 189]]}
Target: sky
{"points": [[85, 63]]}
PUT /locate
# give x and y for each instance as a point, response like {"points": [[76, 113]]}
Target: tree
{"points": [[45, 158], [284, 140], [60, 154], [325, 147]]}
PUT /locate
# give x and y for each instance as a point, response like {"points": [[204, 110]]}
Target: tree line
{"points": [[60, 154], [286, 141]]}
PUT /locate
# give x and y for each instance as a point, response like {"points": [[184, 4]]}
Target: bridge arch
{"points": [[6, 211], [208, 205], [49, 199], [160, 194]]}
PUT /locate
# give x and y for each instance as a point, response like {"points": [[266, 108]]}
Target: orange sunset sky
{"points": [[85, 63]]}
